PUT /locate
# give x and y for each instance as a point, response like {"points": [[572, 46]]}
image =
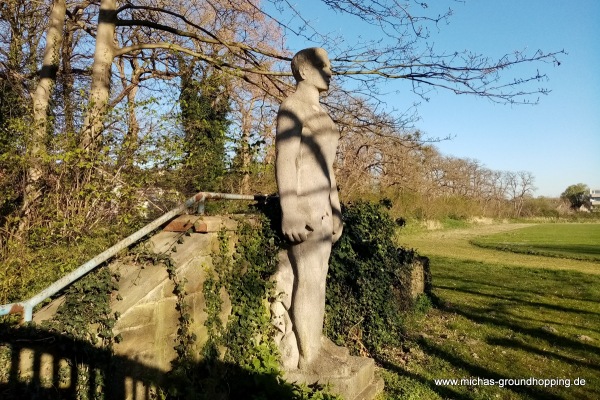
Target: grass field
{"points": [[577, 241], [501, 315]]}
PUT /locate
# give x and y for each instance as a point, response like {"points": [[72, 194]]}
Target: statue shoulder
{"points": [[293, 105]]}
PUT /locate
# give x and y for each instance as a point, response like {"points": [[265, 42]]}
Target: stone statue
{"points": [[306, 144]]}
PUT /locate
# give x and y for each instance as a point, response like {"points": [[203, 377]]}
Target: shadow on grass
{"points": [[517, 299], [587, 249], [472, 370], [444, 391], [38, 364], [537, 333], [580, 354], [522, 346], [477, 371], [523, 285]]}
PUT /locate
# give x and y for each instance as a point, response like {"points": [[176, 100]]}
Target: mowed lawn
{"points": [[577, 241], [501, 316]]}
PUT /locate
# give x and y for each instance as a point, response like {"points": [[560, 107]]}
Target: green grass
{"points": [[499, 318], [576, 241]]}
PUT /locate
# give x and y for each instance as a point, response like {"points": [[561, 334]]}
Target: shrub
{"points": [[368, 281]]}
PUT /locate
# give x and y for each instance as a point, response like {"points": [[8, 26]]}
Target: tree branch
{"points": [[218, 63]]}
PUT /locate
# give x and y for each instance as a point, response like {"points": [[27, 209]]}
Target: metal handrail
{"points": [[26, 307]]}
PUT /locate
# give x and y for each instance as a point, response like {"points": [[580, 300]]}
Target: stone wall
{"points": [[148, 318]]}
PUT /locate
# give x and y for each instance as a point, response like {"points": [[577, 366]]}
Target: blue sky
{"points": [[557, 140]]}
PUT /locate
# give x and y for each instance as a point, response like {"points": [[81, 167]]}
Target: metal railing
{"points": [[26, 307]]}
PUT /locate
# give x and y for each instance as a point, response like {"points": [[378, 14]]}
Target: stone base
{"points": [[360, 383]]}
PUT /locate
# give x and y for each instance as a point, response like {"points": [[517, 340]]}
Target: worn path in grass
{"points": [[454, 243]]}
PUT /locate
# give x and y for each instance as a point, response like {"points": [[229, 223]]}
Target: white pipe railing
{"points": [[26, 307]]}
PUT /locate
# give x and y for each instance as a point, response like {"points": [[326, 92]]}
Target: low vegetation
{"points": [[500, 316], [368, 285]]}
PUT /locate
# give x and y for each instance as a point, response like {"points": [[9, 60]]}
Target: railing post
{"points": [[27, 314]]}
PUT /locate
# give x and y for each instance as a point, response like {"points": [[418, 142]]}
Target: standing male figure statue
{"points": [[306, 144]]}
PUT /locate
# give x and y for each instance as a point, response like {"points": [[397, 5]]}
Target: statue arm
{"points": [[287, 146], [336, 209]]}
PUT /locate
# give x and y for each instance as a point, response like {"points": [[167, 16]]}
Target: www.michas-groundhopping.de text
{"points": [[531, 381]]}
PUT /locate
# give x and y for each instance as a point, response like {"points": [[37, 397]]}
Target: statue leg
{"points": [[310, 261]]}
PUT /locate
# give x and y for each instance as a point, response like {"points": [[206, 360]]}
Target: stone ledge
{"points": [[359, 384], [371, 391]]}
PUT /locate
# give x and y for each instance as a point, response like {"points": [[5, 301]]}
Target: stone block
{"points": [[48, 310], [182, 223], [357, 382], [194, 272], [417, 280], [139, 285], [142, 315], [200, 227], [136, 344]]}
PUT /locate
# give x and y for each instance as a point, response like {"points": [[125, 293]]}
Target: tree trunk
{"points": [[37, 146], [100, 88], [130, 141], [67, 78], [245, 156]]}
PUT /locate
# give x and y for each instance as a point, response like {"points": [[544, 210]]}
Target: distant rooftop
{"points": [[595, 197]]}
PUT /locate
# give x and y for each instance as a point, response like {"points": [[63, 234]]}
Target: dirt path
{"points": [[476, 230], [454, 243]]}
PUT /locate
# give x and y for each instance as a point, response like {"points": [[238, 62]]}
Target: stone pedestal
{"points": [[354, 379]]}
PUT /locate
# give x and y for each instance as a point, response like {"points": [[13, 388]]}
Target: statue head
{"points": [[313, 67]]}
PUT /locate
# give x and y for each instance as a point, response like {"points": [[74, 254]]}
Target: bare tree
{"points": [[519, 185], [408, 53], [101, 73], [136, 43], [21, 30], [462, 73], [41, 96]]}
